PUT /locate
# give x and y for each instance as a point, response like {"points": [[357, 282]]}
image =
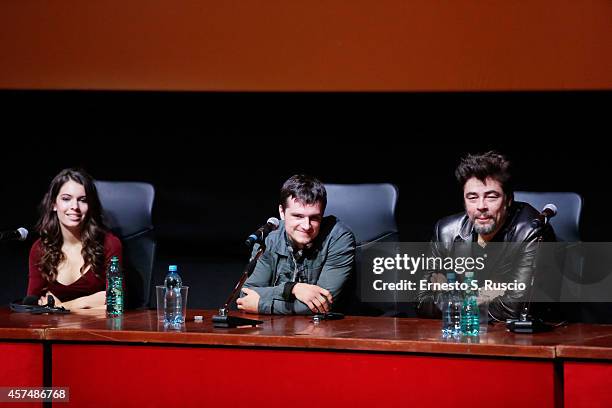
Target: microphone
{"points": [[549, 211], [223, 319], [20, 234], [526, 323], [263, 231], [29, 304], [50, 301]]}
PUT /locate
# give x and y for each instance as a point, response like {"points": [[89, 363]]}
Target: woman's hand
{"points": [[97, 300]]}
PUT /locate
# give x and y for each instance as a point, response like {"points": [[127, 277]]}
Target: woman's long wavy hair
{"points": [[92, 227]]}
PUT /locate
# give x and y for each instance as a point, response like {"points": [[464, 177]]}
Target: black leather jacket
{"points": [[515, 260]]}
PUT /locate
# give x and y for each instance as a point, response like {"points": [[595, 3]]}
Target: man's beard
{"points": [[484, 229]]}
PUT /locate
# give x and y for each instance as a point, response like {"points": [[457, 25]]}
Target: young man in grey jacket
{"points": [[307, 260]]}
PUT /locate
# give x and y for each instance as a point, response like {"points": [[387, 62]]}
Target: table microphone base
{"points": [[527, 326], [233, 321]]}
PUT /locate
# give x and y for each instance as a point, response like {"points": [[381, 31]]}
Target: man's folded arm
{"points": [[261, 282], [339, 265]]}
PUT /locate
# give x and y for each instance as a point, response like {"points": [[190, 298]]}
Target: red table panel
{"points": [[587, 384], [161, 376], [22, 366]]}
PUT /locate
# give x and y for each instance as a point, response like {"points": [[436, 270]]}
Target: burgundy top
{"points": [[86, 285]]}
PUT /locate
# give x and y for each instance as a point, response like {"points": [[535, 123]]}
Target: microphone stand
{"points": [[223, 319], [526, 323]]}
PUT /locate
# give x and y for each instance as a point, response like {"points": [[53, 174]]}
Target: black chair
{"points": [[369, 210], [569, 210], [127, 208]]}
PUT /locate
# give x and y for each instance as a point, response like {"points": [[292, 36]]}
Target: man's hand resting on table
{"points": [[317, 299], [250, 302]]}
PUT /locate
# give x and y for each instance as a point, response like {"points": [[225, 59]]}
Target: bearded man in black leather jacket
{"points": [[491, 215]]}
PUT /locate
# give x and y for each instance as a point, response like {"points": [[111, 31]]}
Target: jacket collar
{"points": [[280, 245], [465, 230]]}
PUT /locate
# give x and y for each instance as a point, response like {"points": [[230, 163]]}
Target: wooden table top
{"points": [[377, 334]]}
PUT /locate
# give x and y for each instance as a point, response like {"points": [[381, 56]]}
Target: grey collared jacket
{"points": [[328, 263]]}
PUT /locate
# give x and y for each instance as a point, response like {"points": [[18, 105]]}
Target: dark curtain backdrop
{"points": [[217, 160]]}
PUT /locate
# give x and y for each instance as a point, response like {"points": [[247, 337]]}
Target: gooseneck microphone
{"points": [[262, 232], [549, 211], [223, 318], [20, 234], [527, 323]]}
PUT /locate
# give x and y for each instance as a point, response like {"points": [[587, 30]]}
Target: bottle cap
{"points": [[172, 268]]}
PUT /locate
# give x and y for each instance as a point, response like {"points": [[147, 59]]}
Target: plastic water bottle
{"points": [[451, 310], [173, 303], [114, 289], [470, 319], [447, 306], [456, 315]]}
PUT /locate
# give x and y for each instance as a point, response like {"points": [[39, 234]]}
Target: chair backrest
{"points": [[368, 209], [127, 208], [569, 209]]}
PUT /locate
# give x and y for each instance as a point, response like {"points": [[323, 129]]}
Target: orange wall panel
{"points": [[349, 45]]}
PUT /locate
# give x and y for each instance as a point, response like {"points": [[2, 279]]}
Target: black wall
{"points": [[217, 160]]}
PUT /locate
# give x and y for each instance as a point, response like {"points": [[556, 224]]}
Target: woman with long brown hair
{"points": [[70, 258]]}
